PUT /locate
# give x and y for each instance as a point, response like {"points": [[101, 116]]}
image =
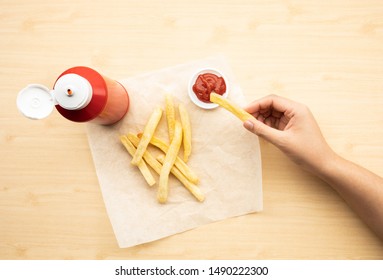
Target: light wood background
{"points": [[327, 54]]}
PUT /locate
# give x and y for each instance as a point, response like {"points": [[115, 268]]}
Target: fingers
{"points": [[263, 130], [271, 104], [272, 113], [273, 110]]}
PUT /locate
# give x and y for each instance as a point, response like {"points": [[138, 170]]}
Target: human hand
{"points": [[291, 127]]}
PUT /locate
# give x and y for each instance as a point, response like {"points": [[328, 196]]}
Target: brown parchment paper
{"points": [[224, 155]]}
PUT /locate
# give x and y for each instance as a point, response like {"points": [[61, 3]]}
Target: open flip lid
{"points": [[35, 101]]}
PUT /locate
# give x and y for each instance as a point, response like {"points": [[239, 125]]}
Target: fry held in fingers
{"points": [[230, 106], [149, 130], [186, 129], [170, 158], [141, 165]]}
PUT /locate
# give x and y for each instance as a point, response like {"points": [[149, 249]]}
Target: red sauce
{"points": [[206, 83]]}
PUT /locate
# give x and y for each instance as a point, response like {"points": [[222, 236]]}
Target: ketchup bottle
{"points": [[80, 94]]}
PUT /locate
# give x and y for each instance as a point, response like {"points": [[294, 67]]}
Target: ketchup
{"points": [[206, 83]]}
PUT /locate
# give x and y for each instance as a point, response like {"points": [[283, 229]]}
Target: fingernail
{"points": [[249, 125]]}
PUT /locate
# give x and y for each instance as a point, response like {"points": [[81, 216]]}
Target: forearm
{"points": [[360, 188]]}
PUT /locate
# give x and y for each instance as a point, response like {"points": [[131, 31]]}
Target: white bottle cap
{"points": [[71, 92], [35, 102]]}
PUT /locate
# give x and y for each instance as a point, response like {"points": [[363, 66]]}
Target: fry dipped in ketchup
{"points": [[207, 83]]}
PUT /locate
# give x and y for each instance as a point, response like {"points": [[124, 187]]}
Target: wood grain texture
{"points": [[326, 54]]}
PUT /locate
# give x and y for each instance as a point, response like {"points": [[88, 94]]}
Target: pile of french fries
{"points": [[179, 135], [168, 162]]}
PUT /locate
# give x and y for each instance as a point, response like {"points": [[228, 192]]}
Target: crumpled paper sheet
{"points": [[225, 156]]}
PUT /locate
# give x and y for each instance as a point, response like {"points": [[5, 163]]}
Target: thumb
{"points": [[259, 128]]}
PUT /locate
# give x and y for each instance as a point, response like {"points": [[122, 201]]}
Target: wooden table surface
{"points": [[326, 54]]}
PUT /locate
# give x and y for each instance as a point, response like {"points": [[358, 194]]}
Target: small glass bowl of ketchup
{"points": [[203, 83]]}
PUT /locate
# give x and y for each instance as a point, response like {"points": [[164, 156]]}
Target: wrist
{"points": [[328, 166], [325, 164]]}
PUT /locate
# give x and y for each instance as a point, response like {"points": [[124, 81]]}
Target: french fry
{"points": [[186, 129], [170, 115], [141, 165], [170, 158], [148, 157], [231, 107], [149, 130], [179, 163], [157, 165], [193, 189]]}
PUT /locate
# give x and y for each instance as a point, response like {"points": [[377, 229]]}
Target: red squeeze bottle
{"points": [[80, 94]]}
